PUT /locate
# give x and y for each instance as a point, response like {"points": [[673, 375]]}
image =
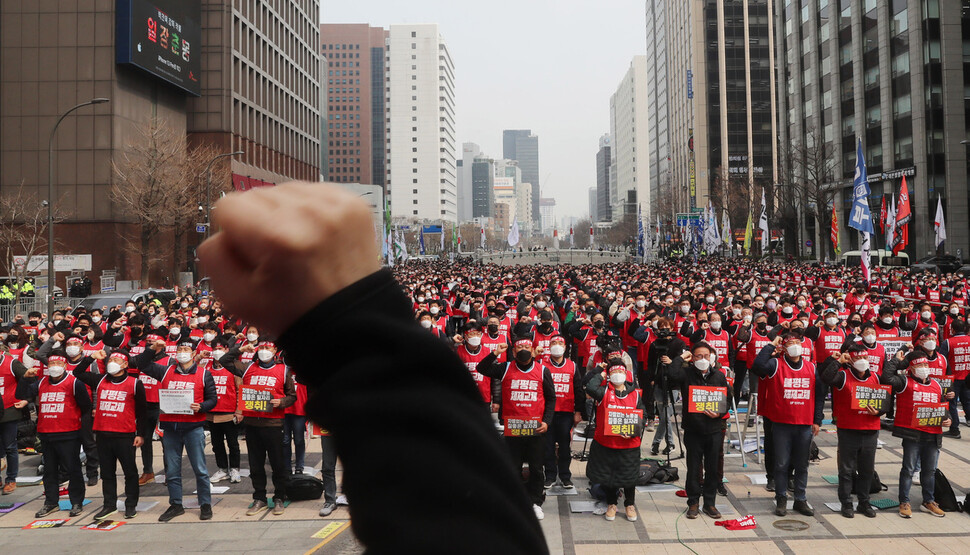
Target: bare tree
{"points": [[581, 233], [814, 168], [23, 232]]}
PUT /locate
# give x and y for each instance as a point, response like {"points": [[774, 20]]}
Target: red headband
{"points": [[524, 343], [266, 344], [55, 358]]}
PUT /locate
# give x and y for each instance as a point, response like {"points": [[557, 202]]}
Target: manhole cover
{"points": [[791, 525]]}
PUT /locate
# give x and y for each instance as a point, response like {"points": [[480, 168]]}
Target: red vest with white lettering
{"points": [[8, 381], [741, 351], [114, 406], [562, 378], [846, 416], [195, 382], [791, 393], [876, 356], [828, 342], [891, 333], [522, 397], [490, 344], [754, 346], [906, 400], [273, 377], [612, 401], [720, 343], [150, 383], [225, 389], [57, 409], [484, 383], [958, 356], [938, 366], [543, 340], [808, 350]]}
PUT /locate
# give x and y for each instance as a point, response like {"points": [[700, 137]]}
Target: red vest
{"points": [[754, 346], [299, 407], [828, 342], [522, 397], [906, 400], [808, 350], [174, 380], [562, 377], [274, 378], [877, 358], [225, 389], [741, 351], [57, 409], [790, 394], [611, 401], [114, 406], [484, 383], [720, 343], [846, 416], [938, 366], [490, 344], [8, 381], [958, 356], [543, 340], [882, 334]]}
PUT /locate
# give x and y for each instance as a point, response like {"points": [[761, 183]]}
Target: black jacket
{"points": [[682, 377], [92, 380], [146, 364]]}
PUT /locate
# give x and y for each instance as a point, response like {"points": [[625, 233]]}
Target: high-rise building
{"points": [[506, 206], [258, 90], [722, 111], [420, 117], [354, 133], [657, 116], [483, 187], [521, 145], [893, 75], [604, 161], [629, 133], [547, 212], [593, 194], [469, 151]]}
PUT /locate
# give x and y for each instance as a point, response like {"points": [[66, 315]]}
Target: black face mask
{"points": [[523, 357], [493, 329], [545, 327], [855, 323], [599, 324], [761, 326]]}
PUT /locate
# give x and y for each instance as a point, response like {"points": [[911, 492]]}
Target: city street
{"points": [[656, 531]]}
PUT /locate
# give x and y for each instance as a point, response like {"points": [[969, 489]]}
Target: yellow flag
{"points": [[748, 232]]}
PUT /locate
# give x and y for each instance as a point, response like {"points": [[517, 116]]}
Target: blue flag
{"points": [[861, 218], [639, 233], [421, 241]]}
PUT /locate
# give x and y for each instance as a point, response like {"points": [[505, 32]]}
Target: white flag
{"points": [[891, 225], [572, 240], [481, 242], [514, 232], [939, 224], [442, 237], [763, 223], [555, 238]]}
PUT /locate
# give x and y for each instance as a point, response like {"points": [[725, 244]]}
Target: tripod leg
{"points": [[757, 436], [737, 424]]}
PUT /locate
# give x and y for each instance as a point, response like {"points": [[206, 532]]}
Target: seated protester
{"points": [[703, 432], [62, 399], [11, 372], [223, 421], [910, 377], [119, 408], [858, 429], [614, 460], [264, 428], [182, 431], [570, 402]]}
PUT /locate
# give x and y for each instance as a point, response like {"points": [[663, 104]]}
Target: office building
{"points": [[469, 151], [629, 172], [604, 162], [893, 75], [593, 197], [657, 117], [420, 116], [483, 187], [353, 139], [521, 145], [547, 213]]}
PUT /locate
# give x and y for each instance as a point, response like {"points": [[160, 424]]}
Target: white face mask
{"points": [[174, 330], [921, 372], [787, 310], [841, 304], [641, 304], [887, 320], [684, 309], [771, 305], [954, 311], [926, 314], [426, 324], [869, 338], [420, 299], [265, 355], [96, 319], [929, 345], [183, 357], [113, 368], [736, 312], [91, 337], [541, 304], [73, 350], [434, 310], [801, 304], [185, 305], [557, 350], [55, 371], [716, 325], [129, 309], [474, 340], [252, 337], [747, 319], [831, 322], [794, 351], [618, 378], [218, 354], [703, 364], [709, 300], [203, 319], [209, 337], [828, 299], [861, 364]]}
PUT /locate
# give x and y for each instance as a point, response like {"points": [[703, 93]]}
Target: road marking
{"points": [[328, 533]]}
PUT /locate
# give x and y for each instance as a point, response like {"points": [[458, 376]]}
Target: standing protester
{"points": [[328, 473], [795, 411], [703, 432], [662, 353], [11, 372], [62, 400], [471, 352], [119, 408], [223, 422], [264, 428], [294, 431], [614, 460], [956, 349], [858, 429], [182, 431], [570, 402], [921, 444], [528, 405]]}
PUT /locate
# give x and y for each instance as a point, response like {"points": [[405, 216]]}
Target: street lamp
{"points": [[208, 189], [50, 201]]}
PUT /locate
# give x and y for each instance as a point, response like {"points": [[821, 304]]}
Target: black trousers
{"points": [[113, 449], [703, 455], [89, 444], [151, 421], [263, 442], [222, 435], [530, 450], [770, 454], [629, 496], [857, 454], [557, 464], [64, 453], [740, 371]]}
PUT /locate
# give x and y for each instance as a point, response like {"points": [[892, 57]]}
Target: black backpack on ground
{"points": [[656, 472], [875, 486], [943, 493], [303, 487]]}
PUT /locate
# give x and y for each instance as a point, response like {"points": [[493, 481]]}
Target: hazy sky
{"points": [[545, 65]]}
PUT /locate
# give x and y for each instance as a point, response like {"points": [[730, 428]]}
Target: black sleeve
{"points": [[90, 379], [675, 372], [828, 371], [82, 398], [489, 367], [230, 361], [579, 392], [209, 398], [112, 339], [697, 336], [549, 396], [764, 365], [27, 388], [145, 363], [415, 372], [891, 376], [141, 407]]}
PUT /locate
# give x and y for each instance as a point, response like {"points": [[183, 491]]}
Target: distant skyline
{"points": [[545, 65]]}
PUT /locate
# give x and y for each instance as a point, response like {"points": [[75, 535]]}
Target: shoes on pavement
{"points": [[866, 509], [538, 510], [847, 510], [205, 512], [9, 488], [712, 512], [692, 511], [171, 512], [655, 450], [278, 507], [549, 483], [631, 513], [76, 509], [256, 507], [781, 507], [130, 513], [567, 484], [722, 490], [611, 512], [932, 508], [952, 432], [770, 486], [802, 508], [234, 476], [327, 509], [105, 513], [905, 510], [46, 510], [146, 478], [92, 481], [219, 476]]}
